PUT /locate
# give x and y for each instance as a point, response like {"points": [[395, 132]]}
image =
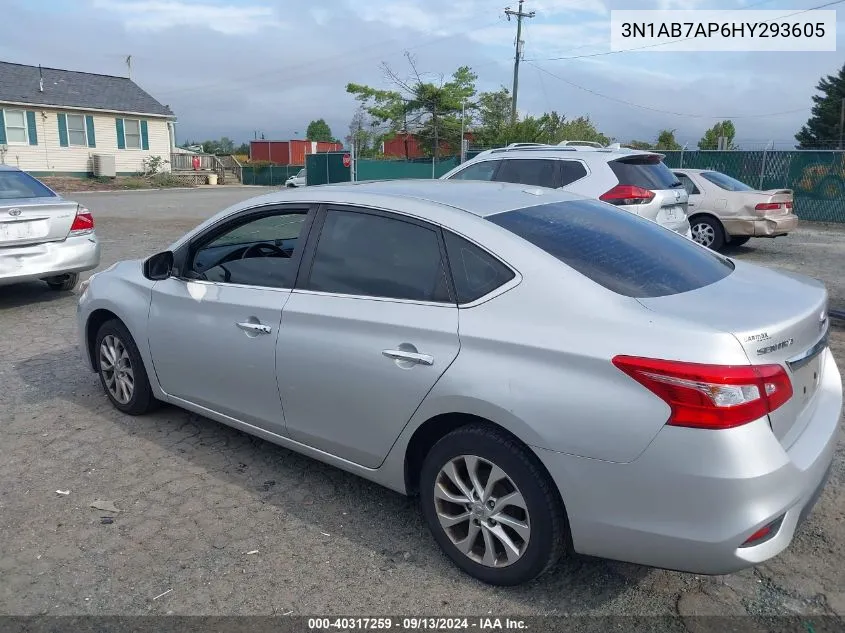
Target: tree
{"points": [[581, 129], [319, 130], [710, 140], [493, 116], [666, 141], [362, 133], [430, 109], [243, 148], [823, 128], [643, 145]]}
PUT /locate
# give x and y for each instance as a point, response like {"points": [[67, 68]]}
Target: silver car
{"points": [[633, 180], [548, 373], [299, 179], [42, 236]]}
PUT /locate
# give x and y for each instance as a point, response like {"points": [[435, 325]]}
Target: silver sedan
{"points": [[548, 373], [42, 236]]}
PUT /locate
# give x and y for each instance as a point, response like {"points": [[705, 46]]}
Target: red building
{"points": [[291, 152], [395, 147]]}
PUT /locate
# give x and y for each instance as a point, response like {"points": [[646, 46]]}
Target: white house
{"points": [[53, 122]]}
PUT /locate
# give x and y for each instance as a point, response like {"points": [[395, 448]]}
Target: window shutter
{"points": [[62, 130], [145, 137], [32, 132], [121, 140], [2, 128], [89, 127]]}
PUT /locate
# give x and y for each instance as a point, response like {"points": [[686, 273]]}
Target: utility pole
{"points": [[841, 121], [519, 15]]}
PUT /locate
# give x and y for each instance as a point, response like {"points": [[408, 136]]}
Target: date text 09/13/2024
{"points": [[488, 623]]}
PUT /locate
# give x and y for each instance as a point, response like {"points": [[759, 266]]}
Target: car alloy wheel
{"points": [[704, 234], [116, 367], [482, 511]]}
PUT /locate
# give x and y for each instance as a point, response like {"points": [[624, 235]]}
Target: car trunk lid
{"points": [[668, 202], [35, 220], [778, 318], [769, 203]]}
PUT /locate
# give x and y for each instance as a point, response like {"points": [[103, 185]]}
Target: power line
{"points": [[639, 48], [284, 70], [683, 114]]}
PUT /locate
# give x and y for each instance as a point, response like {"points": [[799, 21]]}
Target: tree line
{"points": [[437, 109]]}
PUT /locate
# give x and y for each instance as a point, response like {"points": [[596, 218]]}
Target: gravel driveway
{"points": [[223, 523]]}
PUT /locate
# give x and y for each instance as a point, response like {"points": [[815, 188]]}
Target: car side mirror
{"points": [[159, 266]]}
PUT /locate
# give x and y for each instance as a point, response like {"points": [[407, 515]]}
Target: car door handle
{"points": [[254, 328], [414, 357]]}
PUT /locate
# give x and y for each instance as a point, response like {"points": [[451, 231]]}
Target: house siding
{"points": [[49, 157]]}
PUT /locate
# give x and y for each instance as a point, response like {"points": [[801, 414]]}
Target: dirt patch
{"points": [[64, 184]]}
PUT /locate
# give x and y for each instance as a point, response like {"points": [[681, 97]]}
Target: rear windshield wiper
{"points": [[677, 183]]}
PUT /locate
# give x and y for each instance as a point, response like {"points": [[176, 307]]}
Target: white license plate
{"points": [[15, 231]]}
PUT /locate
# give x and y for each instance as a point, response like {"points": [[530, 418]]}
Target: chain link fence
{"points": [[268, 175]]}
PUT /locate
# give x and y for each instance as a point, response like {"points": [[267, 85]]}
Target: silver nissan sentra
{"points": [[550, 374]]}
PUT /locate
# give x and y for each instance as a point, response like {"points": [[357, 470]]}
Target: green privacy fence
{"points": [[392, 169], [816, 177], [268, 175]]}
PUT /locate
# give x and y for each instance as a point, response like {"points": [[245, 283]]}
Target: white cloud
{"points": [[159, 15], [555, 7]]}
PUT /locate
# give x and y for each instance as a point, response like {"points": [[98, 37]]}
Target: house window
{"points": [[132, 133], [15, 127], [76, 132]]}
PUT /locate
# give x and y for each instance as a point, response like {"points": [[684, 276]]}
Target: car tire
{"points": [[739, 240], [542, 535], [63, 282], [115, 348], [707, 231]]}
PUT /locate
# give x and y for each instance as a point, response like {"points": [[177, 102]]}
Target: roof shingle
{"points": [[68, 88]]}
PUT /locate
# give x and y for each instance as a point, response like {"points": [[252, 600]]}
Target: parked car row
{"points": [[708, 206]]}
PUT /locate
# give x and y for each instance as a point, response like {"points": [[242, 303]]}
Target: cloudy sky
{"points": [[234, 67]]}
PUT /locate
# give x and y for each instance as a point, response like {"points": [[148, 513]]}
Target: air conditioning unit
{"points": [[103, 165]]}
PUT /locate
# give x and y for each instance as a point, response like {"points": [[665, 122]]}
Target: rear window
{"points": [[723, 181], [646, 171], [17, 184], [623, 252]]}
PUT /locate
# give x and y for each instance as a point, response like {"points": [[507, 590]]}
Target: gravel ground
{"points": [[229, 524]]}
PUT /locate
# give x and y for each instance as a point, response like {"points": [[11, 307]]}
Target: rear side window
{"points": [[537, 173], [625, 253], [723, 181], [480, 171], [375, 256], [646, 171], [570, 171], [16, 184], [475, 272]]}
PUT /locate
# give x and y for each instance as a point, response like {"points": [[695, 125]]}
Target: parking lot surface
{"points": [[224, 523]]}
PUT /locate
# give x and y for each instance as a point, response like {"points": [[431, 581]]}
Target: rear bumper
{"points": [[694, 496], [36, 261], [761, 227]]}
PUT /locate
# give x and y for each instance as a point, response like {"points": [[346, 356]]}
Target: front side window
{"points": [[623, 252], [17, 184], [479, 171], [475, 272], [132, 133], [527, 171], [76, 130], [253, 252], [723, 181], [377, 256], [15, 126]]}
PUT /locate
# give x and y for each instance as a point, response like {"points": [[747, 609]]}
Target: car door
{"points": [[213, 328], [537, 172], [696, 195], [368, 331]]}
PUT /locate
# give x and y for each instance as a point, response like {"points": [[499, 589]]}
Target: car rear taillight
{"points": [[83, 223], [788, 204], [710, 396], [627, 194], [767, 206]]}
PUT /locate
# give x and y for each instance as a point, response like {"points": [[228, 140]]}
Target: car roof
{"points": [[691, 171], [479, 198], [589, 154]]}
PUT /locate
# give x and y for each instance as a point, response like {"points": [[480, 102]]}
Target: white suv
{"points": [[635, 180]]}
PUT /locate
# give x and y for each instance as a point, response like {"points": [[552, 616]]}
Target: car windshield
{"points": [[723, 181], [17, 184], [301, 173], [623, 252]]}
